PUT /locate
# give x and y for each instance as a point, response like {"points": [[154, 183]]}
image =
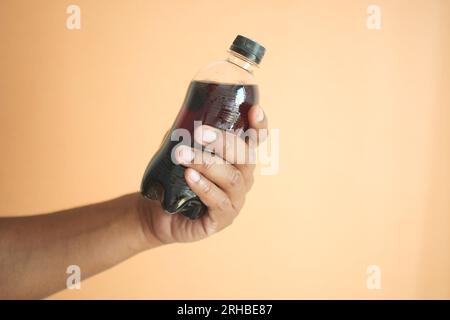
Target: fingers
{"points": [[221, 212], [258, 121], [222, 179], [233, 147], [217, 170], [228, 146]]}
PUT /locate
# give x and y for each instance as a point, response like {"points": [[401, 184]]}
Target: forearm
{"points": [[35, 251]]}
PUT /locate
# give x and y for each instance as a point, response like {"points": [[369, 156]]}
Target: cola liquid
{"points": [[219, 96]]}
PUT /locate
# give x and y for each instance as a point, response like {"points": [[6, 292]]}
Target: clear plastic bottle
{"points": [[220, 95]]}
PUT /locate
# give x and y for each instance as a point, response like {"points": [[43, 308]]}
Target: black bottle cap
{"points": [[248, 48]]}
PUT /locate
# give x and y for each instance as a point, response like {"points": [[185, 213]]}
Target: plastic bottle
{"points": [[220, 95]]}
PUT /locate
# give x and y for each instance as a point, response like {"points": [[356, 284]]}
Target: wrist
{"points": [[142, 209]]}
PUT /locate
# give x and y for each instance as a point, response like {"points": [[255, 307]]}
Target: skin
{"points": [[35, 251]]}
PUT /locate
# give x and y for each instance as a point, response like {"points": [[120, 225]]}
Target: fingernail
{"points": [[209, 135], [194, 176], [259, 114], [185, 154]]}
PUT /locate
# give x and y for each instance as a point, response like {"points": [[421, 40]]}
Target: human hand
{"points": [[221, 181]]}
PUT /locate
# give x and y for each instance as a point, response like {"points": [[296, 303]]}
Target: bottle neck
{"points": [[241, 61]]}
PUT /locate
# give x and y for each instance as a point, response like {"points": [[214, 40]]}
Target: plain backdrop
{"points": [[364, 163]]}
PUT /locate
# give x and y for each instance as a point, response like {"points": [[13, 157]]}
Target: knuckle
{"points": [[206, 187], [224, 204], [208, 162], [235, 177]]}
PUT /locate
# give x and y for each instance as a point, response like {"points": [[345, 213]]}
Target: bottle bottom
{"points": [[188, 205]]}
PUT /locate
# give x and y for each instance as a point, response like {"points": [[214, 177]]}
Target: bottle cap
{"points": [[248, 48]]}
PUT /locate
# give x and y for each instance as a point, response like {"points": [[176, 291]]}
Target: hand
{"points": [[221, 181]]}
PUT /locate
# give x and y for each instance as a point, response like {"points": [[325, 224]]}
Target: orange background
{"points": [[364, 125]]}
